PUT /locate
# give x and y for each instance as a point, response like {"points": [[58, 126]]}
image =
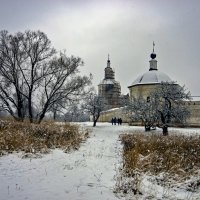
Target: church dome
{"points": [[151, 77]]}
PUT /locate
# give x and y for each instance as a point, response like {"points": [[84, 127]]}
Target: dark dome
{"points": [[153, 55]]}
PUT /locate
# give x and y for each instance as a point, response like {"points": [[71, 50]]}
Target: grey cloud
{"points": [[123, 28]]}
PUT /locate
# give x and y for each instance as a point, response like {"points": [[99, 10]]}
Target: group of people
{"points": [[115, 121]]}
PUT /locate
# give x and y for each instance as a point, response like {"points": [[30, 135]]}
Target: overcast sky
{"points": [[125, 29]]}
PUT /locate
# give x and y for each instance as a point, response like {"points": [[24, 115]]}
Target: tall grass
{"points": [[32, 138], [175, 154], [171, 160]]}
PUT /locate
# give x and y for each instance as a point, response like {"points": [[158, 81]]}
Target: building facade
{"points": [[144, 85], [109, 88]]}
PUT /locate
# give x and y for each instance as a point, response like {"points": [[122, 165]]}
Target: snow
{"points": [[151, 77], [87, 174], [195, 98]]}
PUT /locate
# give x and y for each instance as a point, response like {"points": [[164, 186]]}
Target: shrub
{"points": [[171, 160], [32, 138], [175, 154]]}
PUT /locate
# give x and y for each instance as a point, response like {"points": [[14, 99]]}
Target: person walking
{"points": [[112, 121], [120, 121], [115, 120]]}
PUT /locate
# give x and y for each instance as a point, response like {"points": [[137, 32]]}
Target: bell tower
{"points": [[109, 73], [109, 88]]}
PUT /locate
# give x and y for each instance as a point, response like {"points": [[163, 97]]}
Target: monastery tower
{"points": [[109, 88]]}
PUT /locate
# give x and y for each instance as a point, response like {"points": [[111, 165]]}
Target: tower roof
{"points": [[153, 76], [109, 73]]}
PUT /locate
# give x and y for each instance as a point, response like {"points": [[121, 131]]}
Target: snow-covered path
{"points": [[84, 174]]}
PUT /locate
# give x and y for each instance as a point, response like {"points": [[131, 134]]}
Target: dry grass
{"points": [[175, 154], [170, 159], [33, 138]]}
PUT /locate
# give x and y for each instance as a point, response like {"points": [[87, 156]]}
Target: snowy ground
{"points": [[87, 174]]}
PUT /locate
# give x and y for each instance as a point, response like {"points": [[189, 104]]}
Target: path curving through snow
{"points": [[86, 174]]}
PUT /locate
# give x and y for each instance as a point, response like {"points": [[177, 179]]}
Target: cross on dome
{"points": [[153, 55], [108, 62]]}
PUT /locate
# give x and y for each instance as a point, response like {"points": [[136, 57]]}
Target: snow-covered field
{"points": [[87, 174]]}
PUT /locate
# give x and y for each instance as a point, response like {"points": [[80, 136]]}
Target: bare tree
{"points": [[34, 78], [94, 105], [12, 86], [140, 109], [58, 108], [166, 105], [75, 113], [169, 100], [38, 50], [63, 83]]}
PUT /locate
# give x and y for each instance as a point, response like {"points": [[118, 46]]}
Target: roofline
{"points": [[147, 84], [143, 84]]}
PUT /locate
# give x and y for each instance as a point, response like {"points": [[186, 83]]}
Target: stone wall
{"points": [[193, 121], [106, 116], [194, 107], [144, 91]]}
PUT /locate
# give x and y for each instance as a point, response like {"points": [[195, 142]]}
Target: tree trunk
{"points": [[43, 114], [41, 118], [19, 112], [165, 130], [20, 105], [147, 127], [30, 108], [20, 108], [54, 115], [94, 124], [95, 119]]}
